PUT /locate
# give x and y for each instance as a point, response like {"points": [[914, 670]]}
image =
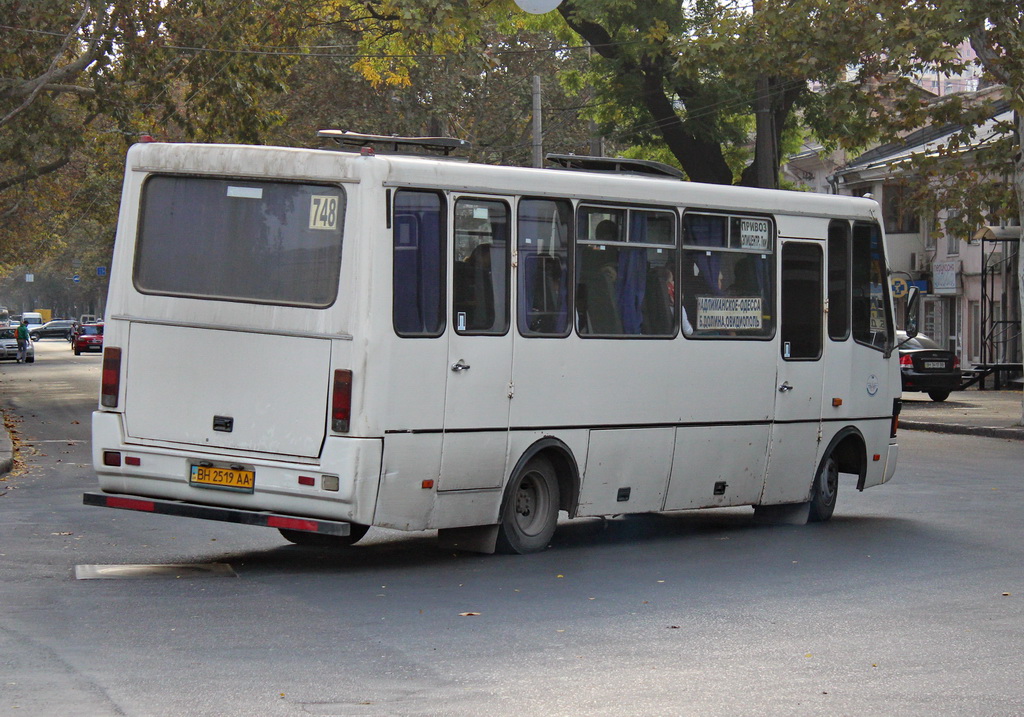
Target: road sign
{"points": [[900, 287], [101, 271], [76, 278]]}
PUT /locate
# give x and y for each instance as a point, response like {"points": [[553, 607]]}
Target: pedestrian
{"points": [[21, 334]]}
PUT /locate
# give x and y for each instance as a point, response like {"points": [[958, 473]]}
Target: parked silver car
{"points": [[9, 346]]}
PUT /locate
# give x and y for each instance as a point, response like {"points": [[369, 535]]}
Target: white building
{"points": [[971, 298]]}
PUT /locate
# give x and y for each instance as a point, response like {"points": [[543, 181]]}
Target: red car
{"points": [[88, 338]]}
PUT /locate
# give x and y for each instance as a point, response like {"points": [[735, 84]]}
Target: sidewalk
{"points": [[995, 414]]}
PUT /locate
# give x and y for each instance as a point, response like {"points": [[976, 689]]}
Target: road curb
{"points": [[1016, 434]]}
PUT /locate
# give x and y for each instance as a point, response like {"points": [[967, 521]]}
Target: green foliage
{"points": [[79, 81]]}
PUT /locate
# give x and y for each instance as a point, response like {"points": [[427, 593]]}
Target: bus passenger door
{"points": [[479, 347], [794, 445]]}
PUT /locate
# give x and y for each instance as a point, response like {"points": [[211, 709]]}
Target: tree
{"points": [[480, 93], [691, 77], [74, 75]]}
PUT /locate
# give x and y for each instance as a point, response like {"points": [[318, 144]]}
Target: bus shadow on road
{"points": [[689, 536]]}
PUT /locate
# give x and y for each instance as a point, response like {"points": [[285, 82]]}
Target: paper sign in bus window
{"points": [[323, 212], [245, 192], [754, 234], [729, 313]]}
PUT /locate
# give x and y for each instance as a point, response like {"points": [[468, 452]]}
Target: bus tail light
{"points": [[110, 384], [341, 401]]}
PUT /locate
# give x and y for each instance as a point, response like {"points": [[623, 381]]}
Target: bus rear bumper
{"points": [[340, 486], [208, 512]]}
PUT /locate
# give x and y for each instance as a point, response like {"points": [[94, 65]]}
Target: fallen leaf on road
{"points": [[468, 614]]}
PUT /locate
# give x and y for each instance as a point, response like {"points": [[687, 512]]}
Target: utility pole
{"points": [[765, 150], [538, 133]]}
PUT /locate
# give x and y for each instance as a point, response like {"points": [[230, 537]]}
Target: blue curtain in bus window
{"points": [[543, 296], [707, 231], [418, 264], [631, 282]]}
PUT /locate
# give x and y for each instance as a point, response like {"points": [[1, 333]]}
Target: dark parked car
{"points": [[89, 337], [926, 366], [56, 329]]}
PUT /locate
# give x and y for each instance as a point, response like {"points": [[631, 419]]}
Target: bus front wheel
{"points": [[319, 540], [825, 490], [530, 512]]}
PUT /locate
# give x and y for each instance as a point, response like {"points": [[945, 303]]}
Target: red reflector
{"points": [[428, 484], [876, 457], [111, 377], [341, 401], [307, 480], [111, 458], [131, 504], [132, 461], [276, 521]]}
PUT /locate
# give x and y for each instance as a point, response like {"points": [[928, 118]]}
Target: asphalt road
{"points": [[909, 602]]}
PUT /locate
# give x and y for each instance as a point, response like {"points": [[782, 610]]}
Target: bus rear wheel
{"points": [[825, 490], [530, 513], [319, 540]]}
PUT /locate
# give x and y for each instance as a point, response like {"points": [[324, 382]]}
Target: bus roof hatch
{"points": [[391, 144], [615, 164]]}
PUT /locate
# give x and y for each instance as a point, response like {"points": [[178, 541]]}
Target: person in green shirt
{"points": [[21, 334]]}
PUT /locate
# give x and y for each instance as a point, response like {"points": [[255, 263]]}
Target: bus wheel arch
{"points": [[845, 454], [546, 473]]}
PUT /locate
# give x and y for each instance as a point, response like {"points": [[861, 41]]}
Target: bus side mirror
{"points": [[910, 315]]}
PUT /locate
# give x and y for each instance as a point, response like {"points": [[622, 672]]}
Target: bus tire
{"points": [[825, 490], [319, 540], [530, 511]]}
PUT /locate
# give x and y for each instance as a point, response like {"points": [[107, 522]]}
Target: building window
{"points": [[952, 240], [899, 219]]}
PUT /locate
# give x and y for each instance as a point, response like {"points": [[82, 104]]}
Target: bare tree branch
{"points": [[55, 74], [34, 173]]}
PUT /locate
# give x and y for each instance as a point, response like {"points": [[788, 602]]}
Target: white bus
{"points": [[321, 341]]}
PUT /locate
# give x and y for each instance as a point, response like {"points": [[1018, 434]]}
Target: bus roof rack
{"points": [[391, 144], [615, 164]]}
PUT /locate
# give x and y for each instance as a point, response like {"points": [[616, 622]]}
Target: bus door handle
{"points": [[460, 365], [785, 387]]}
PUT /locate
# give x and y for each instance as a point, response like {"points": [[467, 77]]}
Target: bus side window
{"points": [[626, 272], [726, 283], [480, 267], [839, 280], [801, 301], [543, 294], [872, 323], [418, 264]]}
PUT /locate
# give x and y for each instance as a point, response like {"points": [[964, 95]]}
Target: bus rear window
{"points": [[240, 240]]}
